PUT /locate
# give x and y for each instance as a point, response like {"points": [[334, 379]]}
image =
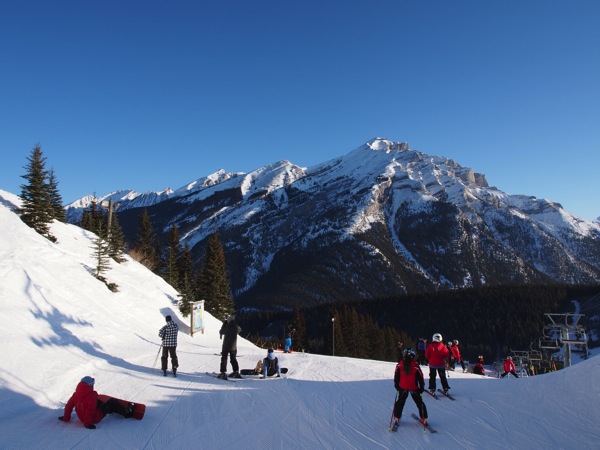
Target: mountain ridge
{"points": [[381, 219]]}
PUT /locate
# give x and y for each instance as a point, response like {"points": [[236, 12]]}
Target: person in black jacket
{"points": [[229, 332]]}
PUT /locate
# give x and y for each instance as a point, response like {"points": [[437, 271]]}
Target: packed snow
{"points": [[60, 324]]}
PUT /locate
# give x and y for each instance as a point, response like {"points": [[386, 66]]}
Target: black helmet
{"points": [[409, 353]]}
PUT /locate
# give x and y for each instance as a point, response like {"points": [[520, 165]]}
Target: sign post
{"points": [[197, 318]]}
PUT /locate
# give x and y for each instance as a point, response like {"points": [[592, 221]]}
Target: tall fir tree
{"points": [[92, 218], [300, 340], [213, 282], [36, 210], [146, 248], [56, 202], [101, 253], [170, 271], [116, 240]]}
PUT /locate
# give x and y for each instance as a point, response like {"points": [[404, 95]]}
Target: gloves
{"points": [[421, 390], [61, 418], [91, 427]]}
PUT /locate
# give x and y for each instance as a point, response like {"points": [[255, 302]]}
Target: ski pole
{"points": [[156, 359], [393, 406]]}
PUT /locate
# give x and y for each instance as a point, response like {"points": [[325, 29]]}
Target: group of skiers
{"points": [[454, 355]]}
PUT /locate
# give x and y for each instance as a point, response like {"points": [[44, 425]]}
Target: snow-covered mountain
{"points": [[380, 220], [59, 324]]}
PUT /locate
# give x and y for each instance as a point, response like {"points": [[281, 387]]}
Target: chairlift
{"points": [[548, 343]]}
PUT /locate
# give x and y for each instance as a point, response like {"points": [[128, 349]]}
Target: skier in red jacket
{"points": [[509, 367], [408, 378], [437, 355], [456, 354], [88, 408]]}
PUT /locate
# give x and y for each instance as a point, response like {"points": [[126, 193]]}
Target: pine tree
{"points": [[92, 218], [186, 295], [36, 208], [58, 212], [300, 340], [101, 254], [146, 249], [116, 240], [213, 282], [171, 270]]}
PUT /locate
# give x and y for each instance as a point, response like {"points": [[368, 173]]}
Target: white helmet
{"points": [[437, 337]]}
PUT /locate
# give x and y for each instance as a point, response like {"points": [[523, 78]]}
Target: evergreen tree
{"points": [[213, 282], [101, 254], [92, 218], [187, 295], [186, 264], [146, 248], [116, 240], [170, 271], [56, 202], [187, 287], [300, 340], [37, 209]]}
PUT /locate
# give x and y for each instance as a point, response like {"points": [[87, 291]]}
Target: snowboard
{"points": [[253, 372], [139, 409]]}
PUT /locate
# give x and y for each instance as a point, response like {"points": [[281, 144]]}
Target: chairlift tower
{"points": [[569, 330]]}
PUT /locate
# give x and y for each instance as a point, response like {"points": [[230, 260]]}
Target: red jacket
{"points": [[455, 352], [85, 400], [411, 382], [436, 354], [509, 366]]}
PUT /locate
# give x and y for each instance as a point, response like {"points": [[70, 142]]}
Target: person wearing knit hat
{"points": [[168, 334], [89, 409], [270, 365]]}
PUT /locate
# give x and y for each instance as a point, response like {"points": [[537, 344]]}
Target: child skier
{"points": [[437, 354], [408, 379], [509, 367]]}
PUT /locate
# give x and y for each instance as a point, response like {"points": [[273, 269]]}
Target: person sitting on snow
{"points": [[270, 365], [89, 409]]}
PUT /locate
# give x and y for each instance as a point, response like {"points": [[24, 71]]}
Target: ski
{"points": [[446, 395], [426, 426], [216, 375], [433, 395]]}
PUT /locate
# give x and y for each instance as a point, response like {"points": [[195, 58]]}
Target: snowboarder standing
{"points": [[509, 367], [437, 354], [289, 334], [89, 409], [229, 332], [168, 334], [408, 379]]}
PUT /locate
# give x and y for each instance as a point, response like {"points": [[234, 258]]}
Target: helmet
{"points": [[409, 353], [480, 357], [437, 337], [509, 357], [455, 341]]}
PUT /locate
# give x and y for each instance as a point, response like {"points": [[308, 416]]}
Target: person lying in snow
{"points": [[89, 409]]}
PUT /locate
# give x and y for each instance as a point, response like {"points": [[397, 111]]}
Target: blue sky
{"points": [[149, 94]]}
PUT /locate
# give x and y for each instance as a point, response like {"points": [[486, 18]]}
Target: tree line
{"points": [[42, 203]]}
